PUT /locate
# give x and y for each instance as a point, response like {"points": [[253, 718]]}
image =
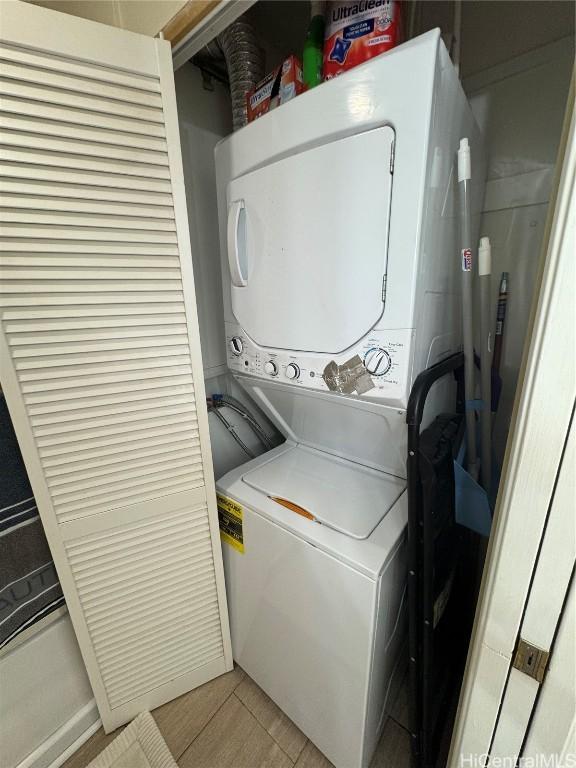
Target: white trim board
{"points": [[530, 188], [32, 630], [207, 29], [57, 748], [214, 371]]}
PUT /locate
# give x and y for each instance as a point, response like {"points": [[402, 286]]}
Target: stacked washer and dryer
{"points": [[339, 242]]}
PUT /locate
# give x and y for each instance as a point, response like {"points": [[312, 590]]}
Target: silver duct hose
{"points": [[245, 64], [242, 410], [232, 430]]}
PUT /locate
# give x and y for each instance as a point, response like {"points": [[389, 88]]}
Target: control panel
{"points": [[377, 367]]}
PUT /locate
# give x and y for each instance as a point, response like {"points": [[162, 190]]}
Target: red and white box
{"points": [[282, 84]]}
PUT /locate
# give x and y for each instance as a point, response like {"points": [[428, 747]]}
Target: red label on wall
{"points": [[466, 260]]}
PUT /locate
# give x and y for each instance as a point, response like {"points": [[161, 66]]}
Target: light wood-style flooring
{"points": [[231, 723]]}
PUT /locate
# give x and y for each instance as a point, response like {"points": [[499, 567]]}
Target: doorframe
{"points": [[207, 28], [540, 422]]}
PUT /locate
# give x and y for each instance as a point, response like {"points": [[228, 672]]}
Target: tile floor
{"points": [[231, 723]]}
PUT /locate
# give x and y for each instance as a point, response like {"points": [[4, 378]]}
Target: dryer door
{"points": [[307, 244]]}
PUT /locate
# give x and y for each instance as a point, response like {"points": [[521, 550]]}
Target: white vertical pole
{"points": [[464, 176], [457, 32], [484, 274]]}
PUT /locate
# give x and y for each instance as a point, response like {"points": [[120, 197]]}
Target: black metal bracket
{"points": [[414, 414]]}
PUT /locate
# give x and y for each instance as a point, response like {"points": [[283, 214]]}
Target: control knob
{"points": [[377, 361], [236, 345], [292, 371], [270, 368]]}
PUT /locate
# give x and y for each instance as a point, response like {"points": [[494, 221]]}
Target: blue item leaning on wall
{"points": [[472, 504]]}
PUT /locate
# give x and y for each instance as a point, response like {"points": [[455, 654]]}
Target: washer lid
{"points": [[347, 497]]}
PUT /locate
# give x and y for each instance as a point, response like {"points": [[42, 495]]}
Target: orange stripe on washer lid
{"points": [[293, 507]]}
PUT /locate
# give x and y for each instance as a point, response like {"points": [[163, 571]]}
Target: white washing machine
{"points": [[316, 605], [338, 225]]}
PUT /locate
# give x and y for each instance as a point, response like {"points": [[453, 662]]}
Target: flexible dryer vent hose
{"points": [[245, 64]]}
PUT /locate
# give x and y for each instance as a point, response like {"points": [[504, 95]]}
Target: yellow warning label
{"points": [[230, 519]]}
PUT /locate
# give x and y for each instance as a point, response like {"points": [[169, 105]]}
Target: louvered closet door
{"points": [[101, 362]]}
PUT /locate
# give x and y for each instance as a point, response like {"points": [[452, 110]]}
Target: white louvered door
{"points": [[101, 363]]}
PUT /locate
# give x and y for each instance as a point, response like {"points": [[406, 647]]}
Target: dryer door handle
{"points": [[236, 241]]}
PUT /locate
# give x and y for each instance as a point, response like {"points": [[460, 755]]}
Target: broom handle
{"points": [[464, 177], [484, 274]]}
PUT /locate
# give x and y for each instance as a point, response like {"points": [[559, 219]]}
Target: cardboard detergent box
{"points": [[282, 84]]}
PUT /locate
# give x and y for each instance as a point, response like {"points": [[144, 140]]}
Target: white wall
{"points": [[520, 106], [46, 701], [495, 31], [516, 60], [205, 117]]}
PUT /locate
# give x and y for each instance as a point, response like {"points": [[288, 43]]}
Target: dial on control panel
{"points": [[377, 361], [270, 368], [236, 345], [292, 371]]}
